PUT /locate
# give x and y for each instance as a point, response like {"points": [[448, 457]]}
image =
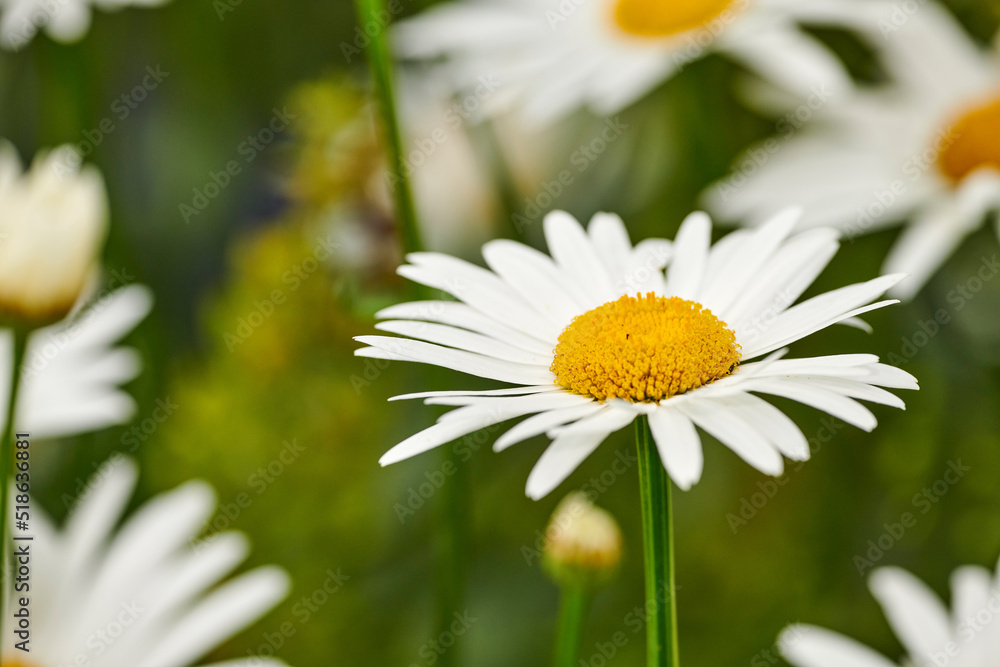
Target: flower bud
{"points": [[53, 221], [583, 543]]}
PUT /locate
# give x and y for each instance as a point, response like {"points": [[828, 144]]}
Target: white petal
{"points": [[809, 646], [785, 55], [820, 312], [914, 611], [573, 444], [512, 391], [715, 417], [464, 362], [686, 272], [222, 614], [753, 253], [466, 420], [608, 232], [643, 270], [537, 280], [462, 339], [780, 283], [928, 241], [679, 446], [543, 423], [773, 424], [806, 392], [461, 315], [479, 288], [574, 253]]}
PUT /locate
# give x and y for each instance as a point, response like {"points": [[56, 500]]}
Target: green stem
{"points": [[573, 608], [381, 65], [452, 518], [452, 556], [7, 448], [495, 161], [658, 547]]}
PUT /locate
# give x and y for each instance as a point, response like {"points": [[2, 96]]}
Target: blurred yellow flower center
{"points": [[644, 349], [662, 18], [973, 142]]}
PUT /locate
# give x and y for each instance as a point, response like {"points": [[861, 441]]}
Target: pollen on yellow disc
{"points": [[972, 142], [644, 349], [662, 18]]}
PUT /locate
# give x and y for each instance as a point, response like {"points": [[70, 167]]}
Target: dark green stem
{"points": [[452, 520], [380, 61], [573, 609], [658, 547], [7, 449]]}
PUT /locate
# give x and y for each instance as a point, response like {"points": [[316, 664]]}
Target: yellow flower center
{"points": [[662, 18], [973, 142], [644, 349]]}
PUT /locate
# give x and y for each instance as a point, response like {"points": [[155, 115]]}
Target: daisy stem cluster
{"points": [[658, 547], [7, 445]]}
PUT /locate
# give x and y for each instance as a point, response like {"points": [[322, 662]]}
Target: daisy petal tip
{"points": [[534, 494], [698, 219], [389, 458], [685, 484], [787, 217]]}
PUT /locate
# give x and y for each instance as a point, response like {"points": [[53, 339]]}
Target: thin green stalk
{"points": [[658, 547], [380, 62], [573, 609], [452, 519], [452, 556], [495, 161], [7, 449]]}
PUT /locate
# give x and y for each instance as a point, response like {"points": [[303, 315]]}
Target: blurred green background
{"points": [[753, 554]]}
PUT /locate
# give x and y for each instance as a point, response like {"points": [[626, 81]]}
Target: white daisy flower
{"points": [[555, 56], [140, 595], [588, 357], [65, 21], [73, 371], [926, 149], [965, 637]]}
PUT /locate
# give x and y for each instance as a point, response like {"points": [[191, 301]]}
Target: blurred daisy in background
{"points": [[554, 57], [596, 335], [65, 21], [73, 371], [925, 149], [931, 635], [53, 221], [143, 595]]}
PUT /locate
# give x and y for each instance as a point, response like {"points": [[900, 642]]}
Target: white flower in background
{"points": [[65, 21], [588, 357], [451, 184], [53, 221], [926, 150], [73, 371], [968, 636], [555, 56], [583, 543], [139, 595]]}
